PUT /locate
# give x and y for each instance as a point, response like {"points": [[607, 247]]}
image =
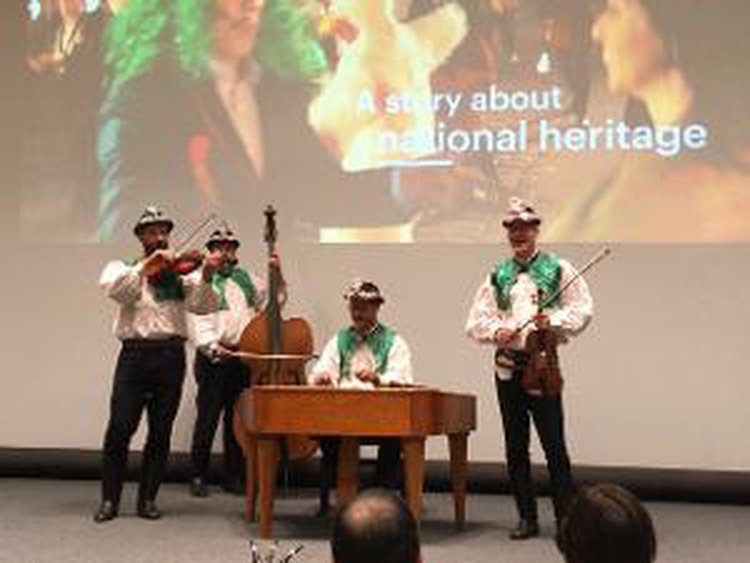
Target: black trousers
{"points": [[518, 409], [219, 386], [149, 375], [387, 468]]}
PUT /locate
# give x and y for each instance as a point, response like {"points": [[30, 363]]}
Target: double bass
{"points": [[276, 350]]}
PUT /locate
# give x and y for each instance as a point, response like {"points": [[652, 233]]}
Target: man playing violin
{"points": [[219, 374], [365, 355], [153, 294], [506, 310]]}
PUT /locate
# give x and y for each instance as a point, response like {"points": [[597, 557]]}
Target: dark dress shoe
{"points": [[147, 509], [107, 511], [524, 530], [198, 487]]}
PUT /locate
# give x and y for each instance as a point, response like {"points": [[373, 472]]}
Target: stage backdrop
{"points": [[394, 160]]}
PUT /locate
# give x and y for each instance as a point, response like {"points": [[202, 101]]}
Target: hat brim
{"points": [[535, 221], [213, 243], [377, 300], [166, 222]]}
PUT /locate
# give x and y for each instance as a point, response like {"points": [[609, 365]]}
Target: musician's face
{"points": [[228, 253], [154, 237], [632, 50], [522, 239], [235, 28], [364, 314]]}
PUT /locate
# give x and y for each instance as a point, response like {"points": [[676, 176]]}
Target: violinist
{"points": [[153, 294], [507, 313], [365, 355], [220, 376]]}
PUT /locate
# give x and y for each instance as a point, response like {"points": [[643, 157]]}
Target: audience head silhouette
{"points": [[607, 524], [376, 527]]}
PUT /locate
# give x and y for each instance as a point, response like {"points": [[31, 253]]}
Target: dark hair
{"points": [[376, 527], [606, 523]]}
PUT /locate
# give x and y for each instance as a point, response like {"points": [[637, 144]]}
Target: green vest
{"points": [[242, 278], [544, 270], [379, 341]]}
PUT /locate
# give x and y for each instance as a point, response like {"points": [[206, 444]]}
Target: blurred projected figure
{"points": [[381, 85], [206, 109], [65, 67], [678, 63], [535, 47]]}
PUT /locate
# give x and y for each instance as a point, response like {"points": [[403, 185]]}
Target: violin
{"points": [[161, 264], [159, 267], [542, 375]]}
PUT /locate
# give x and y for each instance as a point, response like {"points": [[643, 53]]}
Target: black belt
{"points": [[150, 343]]}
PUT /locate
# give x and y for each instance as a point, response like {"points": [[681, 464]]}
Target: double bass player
{"points": [[221, 376], [520, 299]]}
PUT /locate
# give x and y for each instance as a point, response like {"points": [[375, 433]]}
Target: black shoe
{"points": [[147, 509], [107, 511], [198, 487], [524, 530]]}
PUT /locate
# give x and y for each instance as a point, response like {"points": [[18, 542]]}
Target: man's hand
{"points": [[217, 352], [504, 337], [541, 322], [274, 261], [157, 260], [368, 376], [322, 380]]}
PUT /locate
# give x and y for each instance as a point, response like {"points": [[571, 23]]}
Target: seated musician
{"points": [[219, 375], [365, 355]]}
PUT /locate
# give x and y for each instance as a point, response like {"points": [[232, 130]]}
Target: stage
{"points": [[50, 521]]}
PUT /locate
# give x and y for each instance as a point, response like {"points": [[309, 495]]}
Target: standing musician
{"points": [[153, 294], [507, 312], [365, 355], [219, 374]]}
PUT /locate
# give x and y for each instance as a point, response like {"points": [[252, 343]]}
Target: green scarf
{"points": [[379, 341], [544, 270], [242, 279]]}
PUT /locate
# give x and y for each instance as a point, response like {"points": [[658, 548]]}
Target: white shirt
{"points": [[237, 93], [398, 369], [140, 315], [573, 314], [225, 326]]}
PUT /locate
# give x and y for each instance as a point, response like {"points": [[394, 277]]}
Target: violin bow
{"points": [[598, 257], [210, 218], [287, 357]]}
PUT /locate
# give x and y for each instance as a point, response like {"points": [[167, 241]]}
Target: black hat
{"points": [[363, 290], [222, 235], [152, 215], [520, 211]]}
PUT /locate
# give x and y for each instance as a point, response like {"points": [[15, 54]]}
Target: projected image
{"points": [[391, 121]]}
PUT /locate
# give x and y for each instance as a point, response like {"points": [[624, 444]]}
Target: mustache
{"points": [[158, 245]]}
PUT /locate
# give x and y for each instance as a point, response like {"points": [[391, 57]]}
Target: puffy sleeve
{"points": [[328, 363], [122, 282], [484, 317], [399, 364], [576, 305]]}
